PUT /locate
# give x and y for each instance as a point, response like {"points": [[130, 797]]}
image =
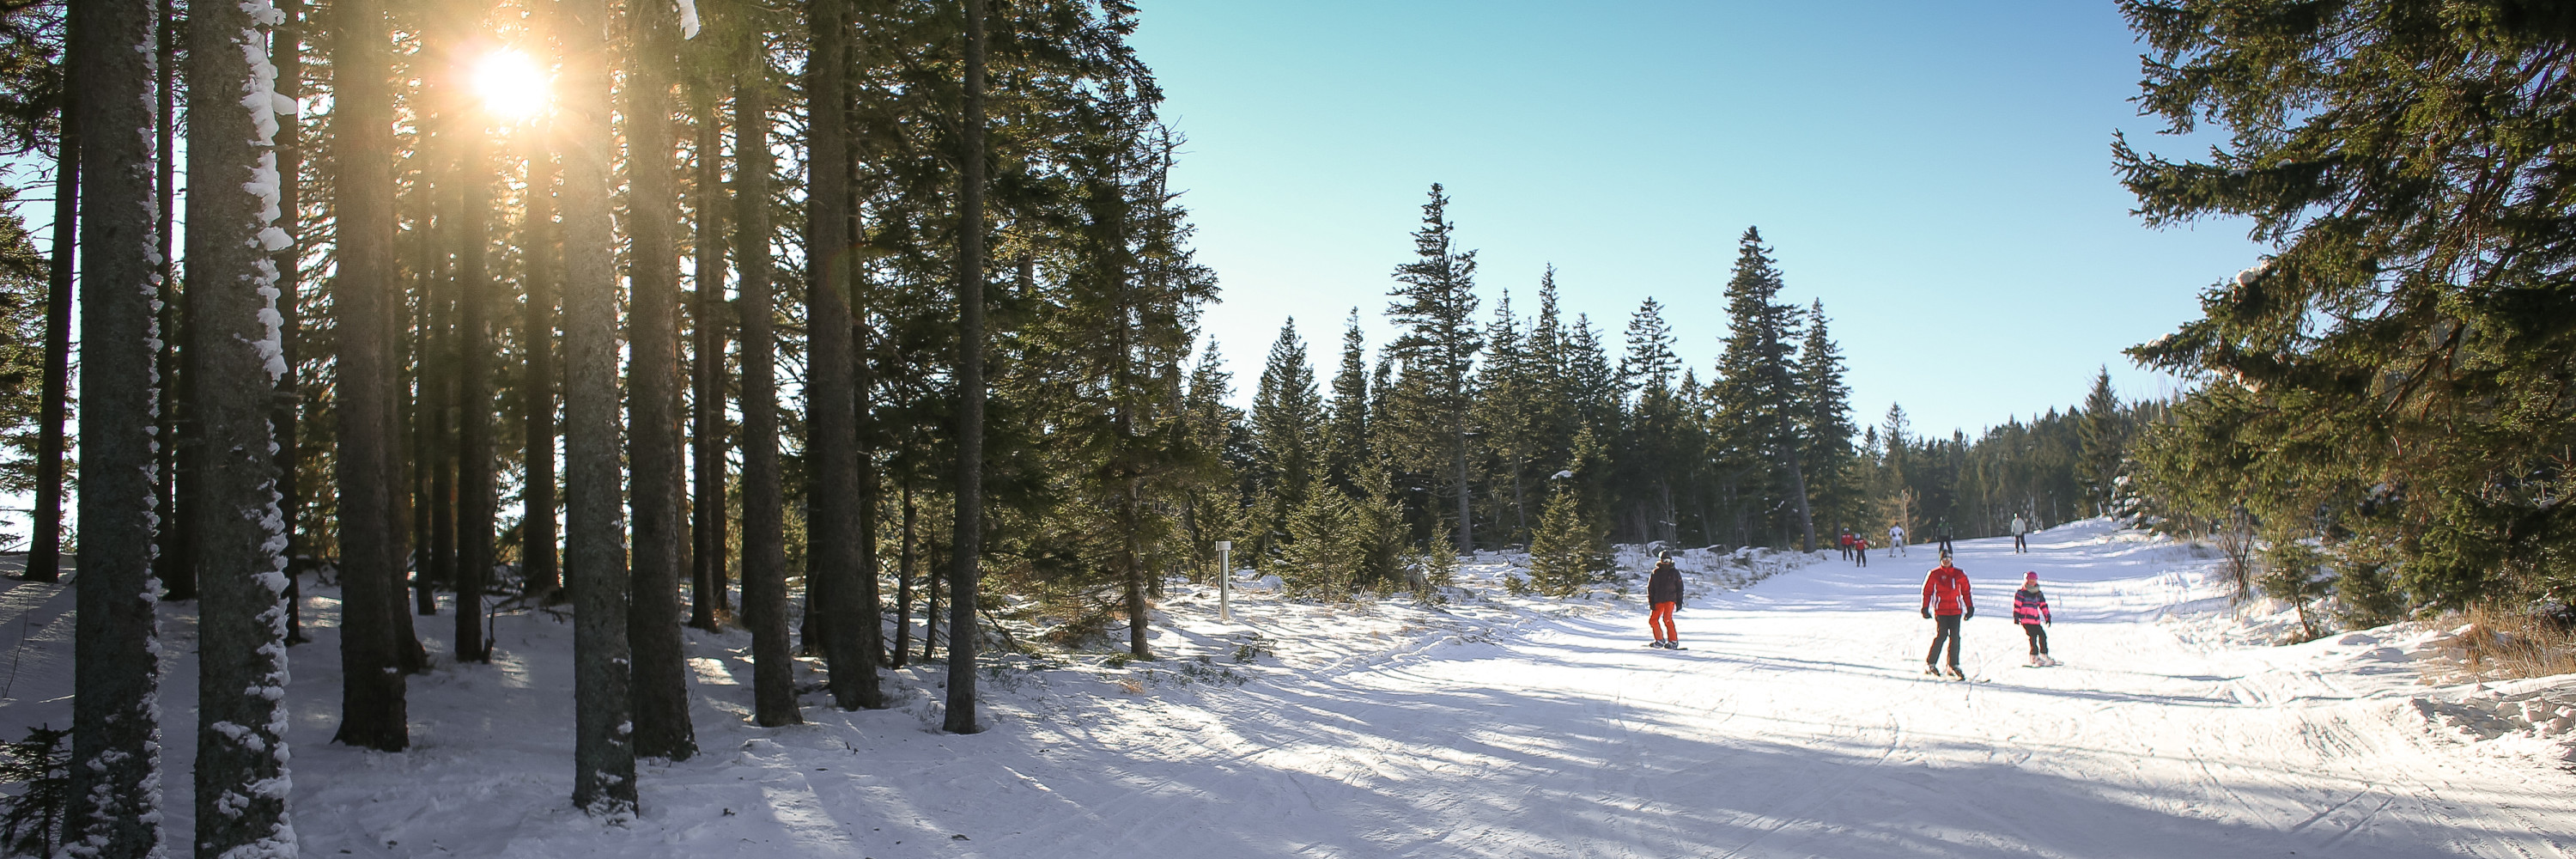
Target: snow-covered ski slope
{"points": [[1798, 724]]}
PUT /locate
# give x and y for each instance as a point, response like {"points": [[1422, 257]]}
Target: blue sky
{"points": [[1938, 173]]}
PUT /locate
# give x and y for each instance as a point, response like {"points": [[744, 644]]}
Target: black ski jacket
{"points": [[1664, 584]]}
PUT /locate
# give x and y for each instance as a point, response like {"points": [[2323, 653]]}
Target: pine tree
{"points": [[115, 719], [234, 348], [365, 299], [1286, 424], [2106, 439], [594, 538], [1572, 546], [1756, 388], [1436, 305], [656, 491], [1650, 362], [967, 545], [1824, 420], [764, 550], [1348, 461]]}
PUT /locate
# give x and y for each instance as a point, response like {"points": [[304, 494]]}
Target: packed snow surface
{"points": [[1797, 724]]}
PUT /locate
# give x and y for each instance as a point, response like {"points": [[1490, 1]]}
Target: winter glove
{"points": [[1970, 614], [1927, 614]]}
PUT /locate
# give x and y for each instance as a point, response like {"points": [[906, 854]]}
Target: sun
{"points": [[510, 84]]}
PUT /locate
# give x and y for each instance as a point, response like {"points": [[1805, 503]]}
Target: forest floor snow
{"points": [[1484, 724]]}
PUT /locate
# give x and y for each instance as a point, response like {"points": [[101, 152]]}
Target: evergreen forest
{"points": [[872, 328]]}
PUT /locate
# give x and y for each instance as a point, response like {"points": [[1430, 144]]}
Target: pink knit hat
{"points": [[2031, 577]]}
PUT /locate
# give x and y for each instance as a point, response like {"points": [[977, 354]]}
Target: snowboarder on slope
{"points": [[2030, 609], [1664, 593], [1860, 553], [2021, 534], [1896, 538], [1946, 602]]}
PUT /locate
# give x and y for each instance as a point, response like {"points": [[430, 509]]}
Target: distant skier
{"points": [[1847, 545], [2021, 534], [1941, 530], [1664, 593], [1946, 602], [2030, 609], [1860, 550], [1896, 538]]}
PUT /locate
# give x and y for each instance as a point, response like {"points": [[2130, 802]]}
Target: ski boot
{"points": [[1931, 670], [1956, 674]]}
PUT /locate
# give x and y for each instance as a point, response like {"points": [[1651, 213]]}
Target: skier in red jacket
{"points": [[1946, 602]]}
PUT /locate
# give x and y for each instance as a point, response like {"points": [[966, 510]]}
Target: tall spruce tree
{"points": [[366, 298], [1757, 386], [764, 515], [2105, 429], [1286, 423], [115, 765], [233, 218], [1347, 459], [656, 491], [2404, 354], [594, 533], [1436, 306], [1824, 420]]}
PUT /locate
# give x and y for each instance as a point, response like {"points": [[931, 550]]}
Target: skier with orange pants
{"points": [[1664, 594], [1946, 602]]}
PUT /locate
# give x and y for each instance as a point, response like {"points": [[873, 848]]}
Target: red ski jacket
{"points": [[1945, 591]]}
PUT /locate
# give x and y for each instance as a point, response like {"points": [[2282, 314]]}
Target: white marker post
{"points": [[1225, 580]]}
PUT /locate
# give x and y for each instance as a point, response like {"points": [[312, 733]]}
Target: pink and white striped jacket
{"points": [[2030, 606]]}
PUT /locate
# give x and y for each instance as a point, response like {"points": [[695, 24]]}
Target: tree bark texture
{"points": [[235, 357], [657, 495], [539, 575], [969, 541], [594, 539], [45, 542], [116, 718], [831, 392], [365, 298], [707, 515], [764, 515], [478, 500]]}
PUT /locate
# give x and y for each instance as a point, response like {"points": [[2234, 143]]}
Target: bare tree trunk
{"points": [[285, 408], [365, 296], [539, 574], [903, 583], [707, 561], [1798, 485], [595, 541], [45, 542], [831, 392], [115, 764], [237, 361], [964, 572], [171, 565], [764, 517], [656, 493], [478, 503]]}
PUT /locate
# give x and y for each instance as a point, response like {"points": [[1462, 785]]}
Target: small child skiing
{"points": [[1846, 543], [1946, 603], [1860, 546], [1664, 593], [2030, 609]]}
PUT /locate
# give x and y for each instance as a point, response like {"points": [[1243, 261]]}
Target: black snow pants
{"points": [[1946, 629], [2038, 638]]}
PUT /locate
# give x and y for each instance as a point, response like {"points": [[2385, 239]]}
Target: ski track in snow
{"points": [[1796, 725]]}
